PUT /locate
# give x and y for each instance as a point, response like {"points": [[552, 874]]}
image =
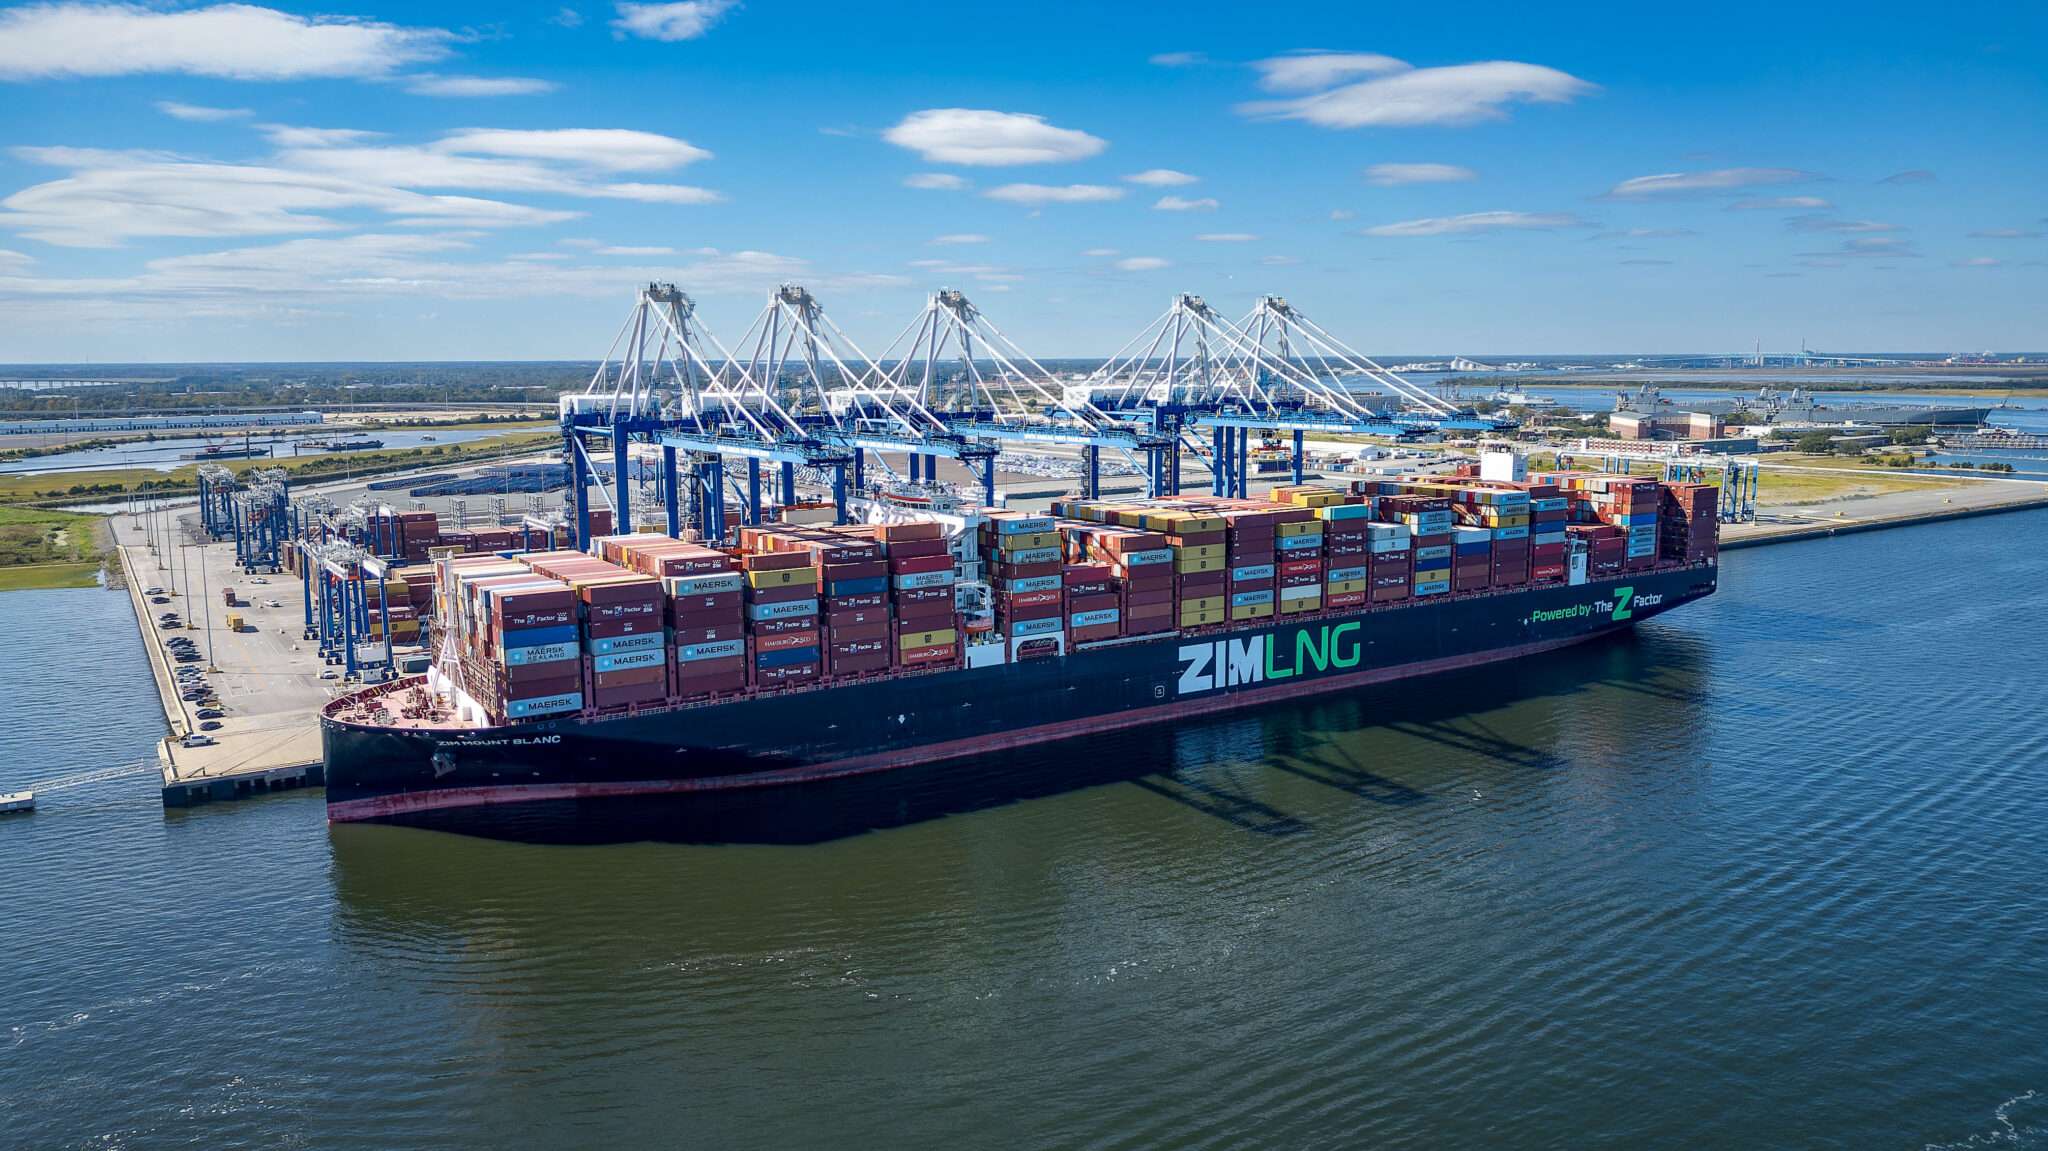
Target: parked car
{"points": [[187, 657], [152, 591], [210, 713], [198, 741], [210, 725], [159, 599]]}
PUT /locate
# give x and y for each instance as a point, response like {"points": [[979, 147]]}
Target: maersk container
{"points": [[717, 649], [546, 705], [540, 653], [630, 661], [615, 645]]}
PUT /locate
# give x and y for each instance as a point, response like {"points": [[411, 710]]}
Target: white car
{"points": [[198, 741], [330, 673], [258, 579]]}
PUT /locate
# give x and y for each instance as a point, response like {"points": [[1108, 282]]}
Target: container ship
{"points": [[654, 666]]}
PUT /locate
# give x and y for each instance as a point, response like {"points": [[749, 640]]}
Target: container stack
{"points": [[1141, 567], [418, 532], [1606, 547], [1201, 563], [1027, 569], [1093, 607], [1347, 575], [1252, 540], [523, 661], [1392, 562], [622, 623], [1548, 511], [784, 645], [1686, 522], [1428, 520], [1471, 558], [1299, 555], [921, 578]]}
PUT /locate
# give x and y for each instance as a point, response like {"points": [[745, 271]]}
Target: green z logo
{"points": [[1623, 596]]}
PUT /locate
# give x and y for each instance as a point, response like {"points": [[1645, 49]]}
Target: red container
{"points": [[775, 561], [784, 626], [792, 594], [1344, 599], [1094, 632], [1080, 603], [1028, 599], [919, 565], [838, 618], [718, 633], [1301, 567], [855, 602], [861, 664], [865, 569], [614, 628], [633, 678], [784, 641], [924, 655], [908, 549], [924, 595], [784, 676]]}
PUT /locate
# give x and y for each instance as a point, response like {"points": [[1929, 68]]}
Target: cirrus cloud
{"points": [[1397, 175], [1183, 204], [981, 137], [429, 84], [1142, 264], [1397, 94], [1697, 183], [1476, 222], [1160, 178], [1036, 194], [936, 182]]}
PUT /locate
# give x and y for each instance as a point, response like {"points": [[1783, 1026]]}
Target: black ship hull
{"points": [[426, 776]]}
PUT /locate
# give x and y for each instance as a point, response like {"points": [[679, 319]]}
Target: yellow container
{"points": [[1020, 542], [1204, 603], [1200, 551], [1200, 565], [912, 639], [1344, 585], [1252, 611], [1200, 618], [787, 577], [1295, 606], [1320, 499], [1303, 528]]}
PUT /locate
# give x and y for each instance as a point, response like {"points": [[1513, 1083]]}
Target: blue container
{"points": [[619, 645], [544, 705], [761, 611], [857, 586], [720, 649], [1032, 583], [1029, 525], [1048, 626], [1425, 557], [1251, 572], [539, 653], [1251, 598], [539, 636], [1091, 618], [1337, 574], [787, 657], [630, 661]]}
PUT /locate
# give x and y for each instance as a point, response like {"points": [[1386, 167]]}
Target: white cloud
{"points": [[2004, 234], [1819, 223], [633, 250], [568, 18], [14, 260], [1179, 59], [612, 149], [1397, 175], [1054, 194], [961, 238], [1100, 252], [1342, 213], [981, 137], [1226, 237], [1160, 178], [287, 136], [1780, 203], [232, 41], [1141, 264], [1643, 234], [1304, 71], [671, 22], [936, 182], [1979, 262], [1473, 222], [654, 193], [1397, 94], [108, 199], [198, 113], [320, 176], [1182, 204], [429, 84], [1279, 261], [1717, 180]]}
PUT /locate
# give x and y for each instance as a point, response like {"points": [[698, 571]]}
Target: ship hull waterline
{"points": [[869, 727]]}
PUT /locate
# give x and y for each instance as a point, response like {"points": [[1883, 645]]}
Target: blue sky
{"points": [[383, 181]]}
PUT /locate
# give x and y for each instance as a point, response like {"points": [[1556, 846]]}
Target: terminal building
{"points": [[160, 423]]}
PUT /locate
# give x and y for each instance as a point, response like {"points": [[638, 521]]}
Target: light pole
{"points": [[206, 601]]}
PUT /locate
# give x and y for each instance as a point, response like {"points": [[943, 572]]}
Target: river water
{"points": [[1767, 874]]}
